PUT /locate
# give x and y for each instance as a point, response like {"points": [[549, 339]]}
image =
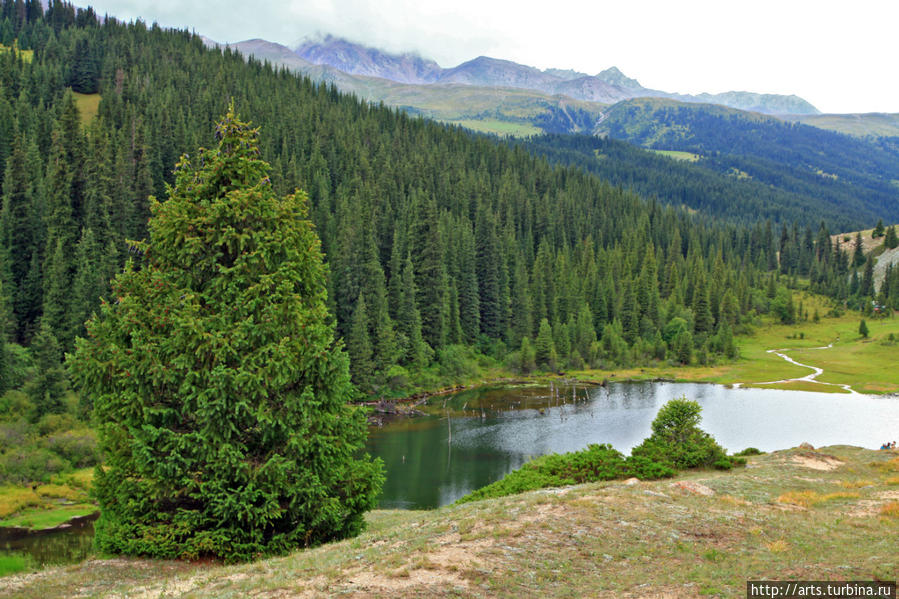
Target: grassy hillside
{"points": [[876, 124], [830, 514]]}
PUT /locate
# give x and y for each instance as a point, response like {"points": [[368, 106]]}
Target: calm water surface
{"points": [[473, 438]]}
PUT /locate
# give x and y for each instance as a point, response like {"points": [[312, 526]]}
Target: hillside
{"points": [[798, 514], [846, 173], [875, 124], [695, 185]]}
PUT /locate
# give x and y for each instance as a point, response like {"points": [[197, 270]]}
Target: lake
{"points": [[472, 438]]}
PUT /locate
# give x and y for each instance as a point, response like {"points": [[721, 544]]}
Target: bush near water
{"points": [[676, 443]]}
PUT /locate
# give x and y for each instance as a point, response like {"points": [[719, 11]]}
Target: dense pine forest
{"points": [[447, 252]]}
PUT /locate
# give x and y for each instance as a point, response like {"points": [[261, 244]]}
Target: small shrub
{"points": [[891, 509], [78, 447], [595, 463], [749, 451], [646, 469], [31, 465], [800, 498], [15, 499], [723, 464]]}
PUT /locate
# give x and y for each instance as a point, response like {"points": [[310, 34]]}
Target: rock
{"points": [[692, 487], [806, 445], [631, 481]]}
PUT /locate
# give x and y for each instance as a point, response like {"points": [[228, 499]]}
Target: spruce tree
{"points": [[891, 240], [858, 251], [48, 387], [545, 349], [220, 395]]}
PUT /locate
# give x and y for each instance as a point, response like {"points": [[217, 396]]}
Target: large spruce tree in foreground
{"points": [[220, 395]]}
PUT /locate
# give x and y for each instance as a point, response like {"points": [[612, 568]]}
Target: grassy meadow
{"points": [[868, 365], [88, 107], [679, 155], [47, 505]]}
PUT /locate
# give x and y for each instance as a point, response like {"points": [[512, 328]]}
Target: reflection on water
{"points": [[473, 438], [67, 546]]}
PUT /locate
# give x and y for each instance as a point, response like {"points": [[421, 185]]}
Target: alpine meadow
{"points": [[220, 278]]}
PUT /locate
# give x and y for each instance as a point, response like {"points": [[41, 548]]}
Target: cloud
{"points": [[833, 54]]}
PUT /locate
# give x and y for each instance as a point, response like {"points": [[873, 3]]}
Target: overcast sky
{"points": [[840, 56]]}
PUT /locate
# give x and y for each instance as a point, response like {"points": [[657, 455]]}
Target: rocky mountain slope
{"points": [[608, 86]]}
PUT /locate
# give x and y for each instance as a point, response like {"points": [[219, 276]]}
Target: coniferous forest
{"points": [[446, 251]]}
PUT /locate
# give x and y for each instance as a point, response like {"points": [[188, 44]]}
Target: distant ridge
{"points": [[608, 86]]}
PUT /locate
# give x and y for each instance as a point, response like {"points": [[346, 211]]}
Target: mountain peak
{"points": [[616, 77], [357, 59]]}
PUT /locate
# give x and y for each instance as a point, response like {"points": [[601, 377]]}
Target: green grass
{"points": [[869, 366], [13, 563], [47, 505], [498, 127], [88, 107], [679, 155], [49, 518], [779, 518], [876, 124]]}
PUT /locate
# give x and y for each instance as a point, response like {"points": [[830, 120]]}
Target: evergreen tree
{"points": [[48, 387], [866, 286], [858, 251], [427, 258], [358, 346], [414, 348], [891, 240], [544, 348], [878, 230], [702, 313], [863, 329], [221, 399]]}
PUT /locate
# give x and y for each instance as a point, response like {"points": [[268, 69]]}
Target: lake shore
{"points": [[826, 514]]}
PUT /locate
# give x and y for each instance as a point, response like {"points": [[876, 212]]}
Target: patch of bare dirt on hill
{"points": [[817, 461]]}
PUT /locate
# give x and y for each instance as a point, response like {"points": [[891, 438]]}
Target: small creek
{"points": [[811, 378]]}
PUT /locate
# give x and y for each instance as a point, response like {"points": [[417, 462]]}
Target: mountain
{"points": [[610, 85], [492, 72], [356, 59], [857, 176], [504, 111]]}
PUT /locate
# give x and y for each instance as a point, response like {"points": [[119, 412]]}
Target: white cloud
{"points": [[836, 55]]}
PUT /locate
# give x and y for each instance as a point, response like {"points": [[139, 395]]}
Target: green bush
{"points": [[749, 451], [78, 447], [595, 463], [676, 443], [677, 440], [646, 469], [20, 466]]}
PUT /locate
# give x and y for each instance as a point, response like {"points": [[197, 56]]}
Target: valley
{"points": [[217, 262]]}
